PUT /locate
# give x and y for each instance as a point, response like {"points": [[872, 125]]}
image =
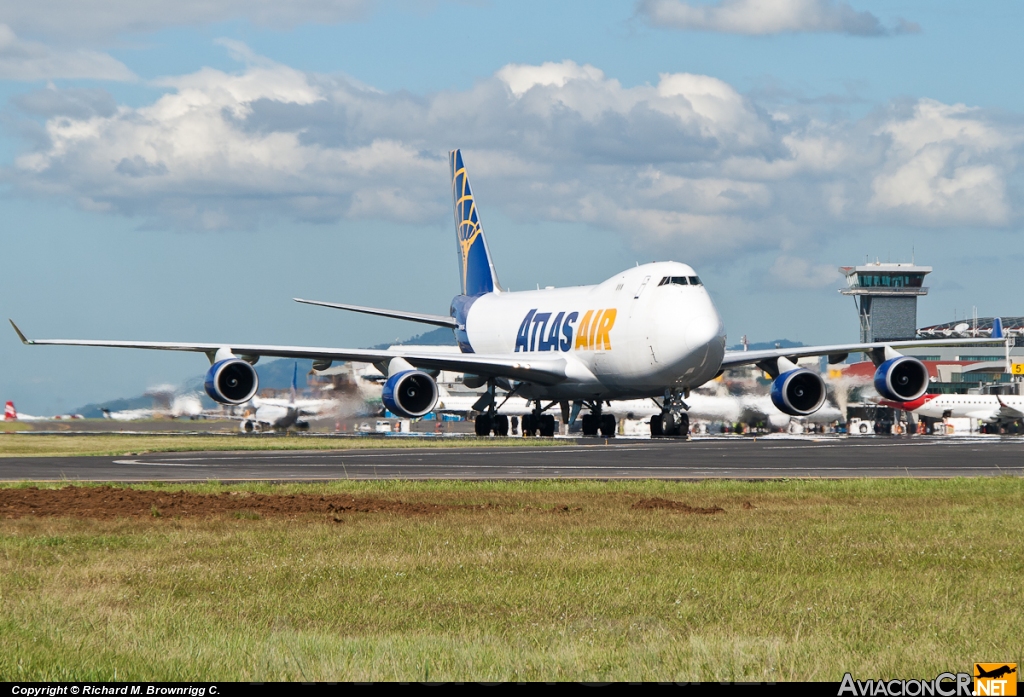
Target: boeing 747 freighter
{"points": [[649, 332]]}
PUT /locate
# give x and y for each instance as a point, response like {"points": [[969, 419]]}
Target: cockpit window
{"points": [[680, 281]]}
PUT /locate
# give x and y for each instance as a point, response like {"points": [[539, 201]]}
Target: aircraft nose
{"points": [[702, 330]]}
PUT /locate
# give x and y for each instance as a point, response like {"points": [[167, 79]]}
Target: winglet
{"points": [[20, 335]]}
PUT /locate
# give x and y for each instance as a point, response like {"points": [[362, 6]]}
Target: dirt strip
{"points": [[678, 506], [107, 502]]}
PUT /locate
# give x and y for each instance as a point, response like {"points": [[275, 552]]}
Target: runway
{"points": [[736, 458]]}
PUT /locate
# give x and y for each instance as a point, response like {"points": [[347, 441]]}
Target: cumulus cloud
{"points": [[760, 17], [30, 60], [795, 272], [90, 20], [687, 162], [944, 165]]}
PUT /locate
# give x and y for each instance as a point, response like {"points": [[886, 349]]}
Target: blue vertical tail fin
{"points": [[295, 380], [997, 328], [478, 276]]}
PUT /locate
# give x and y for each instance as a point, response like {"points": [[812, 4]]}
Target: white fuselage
{"points": [[725, 409], [283, 414], [625, 338], [973, 406]]}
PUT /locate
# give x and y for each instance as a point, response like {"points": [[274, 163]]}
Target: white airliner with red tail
{"points": [[987, 408], [648, 332], [12, 414]]}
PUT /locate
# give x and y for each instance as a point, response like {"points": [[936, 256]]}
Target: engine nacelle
{"points": [[901, 379], [410, 393], [231, 381], [798, 392]]}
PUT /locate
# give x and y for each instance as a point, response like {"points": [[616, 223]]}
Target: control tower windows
{"points": [[890, 280]]}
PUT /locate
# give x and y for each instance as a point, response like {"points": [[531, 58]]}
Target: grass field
{"points": [[537, 580], [24, 444]]}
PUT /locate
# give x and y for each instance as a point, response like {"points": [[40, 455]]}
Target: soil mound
{"points": [[679, 506], [108, 502]]}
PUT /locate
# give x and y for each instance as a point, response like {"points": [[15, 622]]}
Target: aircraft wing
{"points": [[544, 371], [1007, 413], [839, 352]]}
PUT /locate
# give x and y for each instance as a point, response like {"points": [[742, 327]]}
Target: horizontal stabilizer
{"points": [[437, 320]]}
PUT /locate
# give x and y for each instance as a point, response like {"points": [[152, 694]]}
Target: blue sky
{"points": [[182, 170]]}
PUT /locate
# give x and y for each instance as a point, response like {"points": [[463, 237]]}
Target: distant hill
{"points": [[766, 345], [273, 374], [442, 336], [95, 411]]}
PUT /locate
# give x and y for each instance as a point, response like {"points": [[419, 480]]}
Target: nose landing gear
{"points": [[673, 421]]}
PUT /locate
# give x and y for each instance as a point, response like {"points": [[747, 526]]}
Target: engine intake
{"points": [[410, 393], [798, 392], [231, 381], [901, 379]]}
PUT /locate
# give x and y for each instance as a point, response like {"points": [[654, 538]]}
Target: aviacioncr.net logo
{"points": [[944, 685], [995, 679]]}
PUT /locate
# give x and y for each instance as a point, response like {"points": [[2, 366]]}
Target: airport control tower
{"points": [[886, 298]]}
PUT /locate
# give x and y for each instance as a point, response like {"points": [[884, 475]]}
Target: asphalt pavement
{"points": [[736, 458]]}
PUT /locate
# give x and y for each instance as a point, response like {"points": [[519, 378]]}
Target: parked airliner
{"points": [[282, 415], [987, 408], [648, 332], [12, 414], [726, 408]]}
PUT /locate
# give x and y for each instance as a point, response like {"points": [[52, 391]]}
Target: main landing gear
{"points": [[537, 422], [491, 420], [485, 423], [673, 421], [531, 424], [595, 422]]}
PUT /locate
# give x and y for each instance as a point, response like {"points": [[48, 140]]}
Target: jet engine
{"points": [[798, 392], [901, 379], [231, 381], [410, 393]]}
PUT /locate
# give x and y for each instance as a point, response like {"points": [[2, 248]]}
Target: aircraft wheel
{"points": [[547, 426], [656, 431], [527, 425], [589, 425], [483, 425], [608, 425], [684, 425], [669, 426], [501, 425]]}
